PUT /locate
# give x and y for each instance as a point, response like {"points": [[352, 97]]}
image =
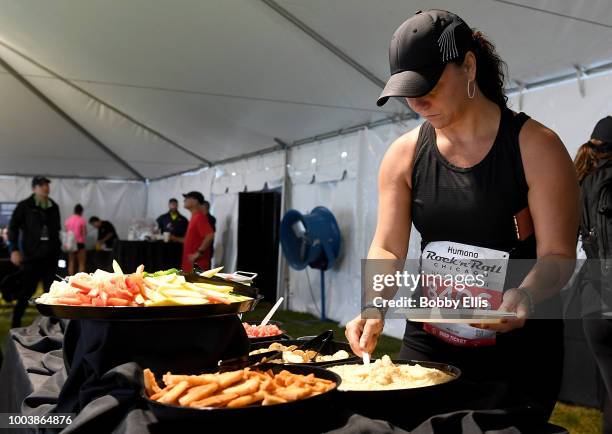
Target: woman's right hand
{"points": [[363, 334]]}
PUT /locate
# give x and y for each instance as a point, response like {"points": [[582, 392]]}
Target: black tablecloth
{"points": [[39, 378], [154, 255], [99, 259]]}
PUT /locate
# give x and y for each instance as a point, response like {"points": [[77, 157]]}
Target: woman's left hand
{"points": [[513, 301]]}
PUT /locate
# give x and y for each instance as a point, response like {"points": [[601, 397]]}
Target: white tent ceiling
{"points": [[223, 78]]}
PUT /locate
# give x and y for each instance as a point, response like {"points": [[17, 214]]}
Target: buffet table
{"points": [[49, 366], [154, 255]]}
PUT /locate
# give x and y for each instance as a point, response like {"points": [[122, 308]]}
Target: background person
{"points": [[106, 232], [77, 226], [173, 221], [462, 176], [211, 218], [4, 242], [34, 234], [213, 223], [594, 165], [200, 235]]}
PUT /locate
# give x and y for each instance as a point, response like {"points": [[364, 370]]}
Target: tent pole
{"points": [[586, 72], [146, 207], [68, 118], [104, 103], [282, 273], [323, 317], [330, 46]]}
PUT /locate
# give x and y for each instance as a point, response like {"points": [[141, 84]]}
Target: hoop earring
{"points": [[473, 92]]}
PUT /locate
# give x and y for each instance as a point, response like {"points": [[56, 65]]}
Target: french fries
{"points": [[246, 388], [215, 401], [151, 386], [174, 394], [193, 380], [229, 378], [198, 393], [234, 389], [162, 392], [245, 400]]}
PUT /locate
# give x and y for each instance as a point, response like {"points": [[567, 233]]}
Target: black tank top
{"points": [[472, 205]]}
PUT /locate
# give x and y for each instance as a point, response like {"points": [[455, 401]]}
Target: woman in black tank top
{"points": [[462, 177]]}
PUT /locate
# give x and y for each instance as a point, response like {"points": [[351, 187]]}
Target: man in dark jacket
{"points": [[35, 243], [106, 232], [173, 221]]}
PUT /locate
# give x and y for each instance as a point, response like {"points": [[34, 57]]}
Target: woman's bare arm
{"points": [[392, 232], [394, 200], [554, 204]]}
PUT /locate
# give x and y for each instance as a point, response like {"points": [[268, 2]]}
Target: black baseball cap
{"points": [[603, 130], [420, 49], [40, 180], [195, 195]]}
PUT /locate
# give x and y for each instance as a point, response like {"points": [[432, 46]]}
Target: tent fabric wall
{"points": [[342, 282], [250, 174], [221, 185], [120, 202], [162, 190], [353, 200], [225, 208], [562, 108], [329, 160]]}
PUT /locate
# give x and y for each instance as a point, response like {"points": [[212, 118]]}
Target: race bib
{"points": [[455, 261]]}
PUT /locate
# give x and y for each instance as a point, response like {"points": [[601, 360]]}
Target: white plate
{"points": [[460, 316], [458, 320]]}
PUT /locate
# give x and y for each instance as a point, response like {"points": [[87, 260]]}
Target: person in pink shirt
{"points": [[77, 225]]}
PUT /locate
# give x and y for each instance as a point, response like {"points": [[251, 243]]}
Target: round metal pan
{"points": [[330, 348], [256, 418], [405, 408], [132, 313], [282, 337]]}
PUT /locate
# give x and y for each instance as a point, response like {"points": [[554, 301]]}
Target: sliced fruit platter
{"points": [[93, 294]]}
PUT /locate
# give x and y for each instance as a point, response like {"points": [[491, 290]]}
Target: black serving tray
{"points": [[254, 416], [405, 408], [330, 348], [139, 313]]}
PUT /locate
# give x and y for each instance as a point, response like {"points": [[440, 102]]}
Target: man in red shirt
{"points": [[197, 243]]}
